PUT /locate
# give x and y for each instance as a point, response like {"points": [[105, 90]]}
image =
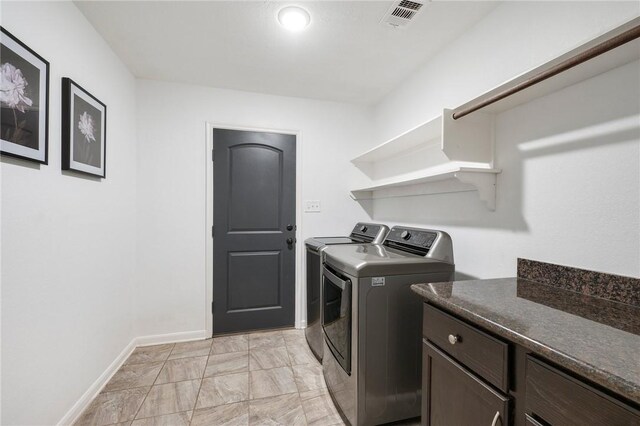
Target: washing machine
{"points": [[362, 233], [372, 322]]}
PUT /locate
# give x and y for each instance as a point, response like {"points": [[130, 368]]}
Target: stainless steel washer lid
{"points": [[368, 260], [316, 243], [362, 233]]}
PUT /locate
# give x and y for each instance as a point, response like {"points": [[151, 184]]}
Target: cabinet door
{"points": [[560, 399], [451, 395]]}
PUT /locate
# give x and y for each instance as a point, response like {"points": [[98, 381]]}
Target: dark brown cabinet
{"points": [[452, 395], [558, 399], [530, 421], [481, 353], [472, 378]]}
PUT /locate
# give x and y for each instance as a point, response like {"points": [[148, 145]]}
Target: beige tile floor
{"points": [[267, 378]]}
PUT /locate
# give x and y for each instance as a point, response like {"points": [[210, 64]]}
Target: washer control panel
{"points": [[412, 240]]}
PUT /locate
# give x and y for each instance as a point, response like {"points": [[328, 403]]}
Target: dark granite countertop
{"points": [[595, 338]]}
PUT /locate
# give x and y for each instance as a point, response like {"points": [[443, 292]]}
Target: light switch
{"points": [[312, 206]]}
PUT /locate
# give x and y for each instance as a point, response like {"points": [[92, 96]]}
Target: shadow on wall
{"points": [[367, 206], [601, 111], [461, 276], [5, 159], [615, 131], [84, 176]]}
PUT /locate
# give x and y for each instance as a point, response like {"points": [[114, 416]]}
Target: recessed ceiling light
{"points": [[294, 18]]}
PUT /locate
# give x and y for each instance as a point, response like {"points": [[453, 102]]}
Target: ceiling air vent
{"points": [[402, 12]]}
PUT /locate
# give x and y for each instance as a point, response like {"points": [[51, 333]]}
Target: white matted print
{"points": [[24, 100], [84, 123]]}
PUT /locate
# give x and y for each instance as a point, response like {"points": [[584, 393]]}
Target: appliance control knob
{"points": [[405, 235], [363, 228]]}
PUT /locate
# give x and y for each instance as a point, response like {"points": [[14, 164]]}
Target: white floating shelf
{"points": [[411, 139], [446, 155], [438, 156], [447, 178]]}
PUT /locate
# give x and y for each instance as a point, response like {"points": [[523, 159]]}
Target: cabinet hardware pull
{"points": [[453, 339], [495, 419]]}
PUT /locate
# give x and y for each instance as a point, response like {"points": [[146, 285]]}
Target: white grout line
{"points": [[204, 371], [304, 413], [151, 387], [248, 372]]}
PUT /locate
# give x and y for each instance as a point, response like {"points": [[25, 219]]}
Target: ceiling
{"points": [[346, 53]]}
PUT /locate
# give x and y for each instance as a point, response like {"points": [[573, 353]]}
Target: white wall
{"points": [[68, 242], [573, 202], [171, 184], [87, 264]]}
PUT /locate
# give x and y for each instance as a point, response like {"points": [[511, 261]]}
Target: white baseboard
{"points": [[93, 391], [184, 336]]}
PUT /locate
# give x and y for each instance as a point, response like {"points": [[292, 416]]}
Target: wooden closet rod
{"points": [[591, 53]]}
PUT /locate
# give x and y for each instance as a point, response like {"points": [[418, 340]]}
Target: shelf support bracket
{"points": [[484, 182]]}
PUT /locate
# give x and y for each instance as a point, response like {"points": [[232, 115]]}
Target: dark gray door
{"points": [[254, 188]]}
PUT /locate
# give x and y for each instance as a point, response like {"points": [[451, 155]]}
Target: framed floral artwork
{"points": [[84, 130], [24, 100]]}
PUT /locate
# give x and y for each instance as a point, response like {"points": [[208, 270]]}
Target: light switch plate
{"points": [[312, 206]]}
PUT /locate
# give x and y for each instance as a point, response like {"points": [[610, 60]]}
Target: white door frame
{"points": [[300, 290]]}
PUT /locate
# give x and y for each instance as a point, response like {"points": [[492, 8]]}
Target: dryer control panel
{"points": [[369, 232], [422, 242]]}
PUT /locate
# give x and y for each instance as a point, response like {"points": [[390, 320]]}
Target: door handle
{"points": [[290, 241], [289, 227], [495, 419], [337, 281]]}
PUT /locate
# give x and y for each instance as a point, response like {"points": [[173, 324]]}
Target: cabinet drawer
{"points": [[530, 421], [559, 399], [483, 354], [451, 395]]}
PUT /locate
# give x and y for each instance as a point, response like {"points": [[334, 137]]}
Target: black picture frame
{"points": [[24, 111], [84, 131]]}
